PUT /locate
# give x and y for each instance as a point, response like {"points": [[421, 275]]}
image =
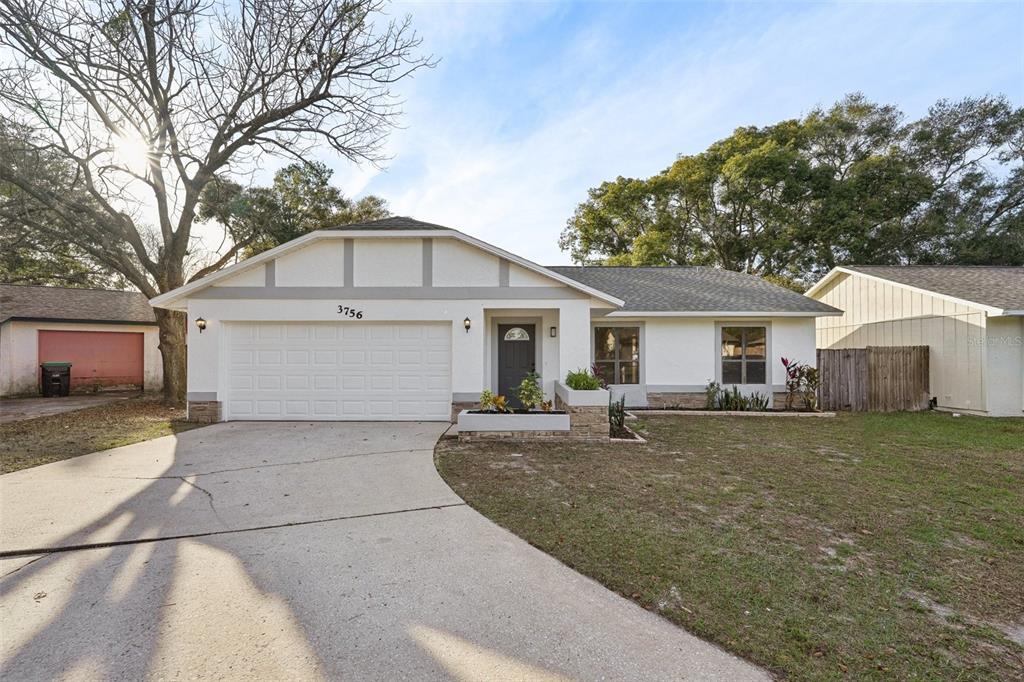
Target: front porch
{"points": [[518, 340], [550, 342]]}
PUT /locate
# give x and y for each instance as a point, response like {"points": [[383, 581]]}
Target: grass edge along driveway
{"points": [[876, 546], [32, 442]]}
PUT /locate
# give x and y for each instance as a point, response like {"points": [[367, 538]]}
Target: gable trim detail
{"points": [[388, 293], [200, 288]]}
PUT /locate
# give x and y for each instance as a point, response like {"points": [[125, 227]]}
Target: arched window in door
{"points": [[517, 334]]}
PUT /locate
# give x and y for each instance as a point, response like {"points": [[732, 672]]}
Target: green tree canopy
{"points": [[854, 183], [300, 200]]}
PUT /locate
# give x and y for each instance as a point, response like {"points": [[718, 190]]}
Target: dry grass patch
{"points": [[865, 546], [32, 442]]}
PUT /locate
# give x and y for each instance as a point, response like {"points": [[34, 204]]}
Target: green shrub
{"points": [[487, 401], [734, 401], [582, 380], [757, 402], [812, 381], [731, 400], [711, 393], [529, 391]]}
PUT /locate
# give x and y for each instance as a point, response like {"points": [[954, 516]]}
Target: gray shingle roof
{"points": [[992, 285], [692, 289], [55, 303], [392, 223]]}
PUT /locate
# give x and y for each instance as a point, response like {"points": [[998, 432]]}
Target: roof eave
{"points": [[724, 313], [835, 272], [829, 276], [69, 320], [540, 269], [174, 299]]}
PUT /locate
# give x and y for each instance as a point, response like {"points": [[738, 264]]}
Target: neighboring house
{"points": [[970, 317], [109, 337], [400, 319]]}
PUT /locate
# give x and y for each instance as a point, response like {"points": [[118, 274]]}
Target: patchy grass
{"points": [[32, 442], [878, 546]]}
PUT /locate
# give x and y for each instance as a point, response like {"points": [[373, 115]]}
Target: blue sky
{"points": [[535, 102]]}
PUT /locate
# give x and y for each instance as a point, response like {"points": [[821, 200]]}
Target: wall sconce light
{"points": [[201, 323], [553, 332], [467, 324]]}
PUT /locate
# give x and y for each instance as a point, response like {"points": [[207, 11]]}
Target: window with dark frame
{"points": [[744, 355], [617, 354]]}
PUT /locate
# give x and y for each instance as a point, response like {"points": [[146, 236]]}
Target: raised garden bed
{"points": [[481, 421], [576, 398], [515, 411], [627, 436]]}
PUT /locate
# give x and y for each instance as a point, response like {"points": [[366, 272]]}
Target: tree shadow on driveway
{"points": [[319, 555]]}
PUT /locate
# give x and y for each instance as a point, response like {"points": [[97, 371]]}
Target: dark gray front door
{"points": [[517, 348]]}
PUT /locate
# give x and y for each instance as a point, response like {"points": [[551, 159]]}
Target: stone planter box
{"points": [[583, 415], [588, 411], [481, 422], [597, 398], [527, 426]]}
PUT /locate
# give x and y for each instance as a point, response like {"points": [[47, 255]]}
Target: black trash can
{"points": [[56, 379]]}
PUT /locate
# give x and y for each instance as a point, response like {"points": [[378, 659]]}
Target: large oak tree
{"points": [[855, 183], [119, 114]]}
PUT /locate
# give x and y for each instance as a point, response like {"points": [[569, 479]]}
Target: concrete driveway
{"points": [[300, 551]]}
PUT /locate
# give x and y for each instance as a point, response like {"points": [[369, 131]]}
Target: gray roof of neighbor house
{"points": [[21, 302], [991, 285], [692, 289], [392, 223]]}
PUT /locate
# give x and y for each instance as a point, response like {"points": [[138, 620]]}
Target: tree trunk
{"points": [[172, 350]]}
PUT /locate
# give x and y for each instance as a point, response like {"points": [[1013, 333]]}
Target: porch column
{"points": [[573, 336]]}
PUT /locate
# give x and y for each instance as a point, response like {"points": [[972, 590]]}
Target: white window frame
{"points": [[767, 326], [640, 352]]}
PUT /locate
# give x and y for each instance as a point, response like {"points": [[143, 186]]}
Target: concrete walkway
{"points": [[300, 551], [18, 409]]}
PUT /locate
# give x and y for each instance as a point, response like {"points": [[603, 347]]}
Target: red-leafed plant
{"points": [[801, 380]]}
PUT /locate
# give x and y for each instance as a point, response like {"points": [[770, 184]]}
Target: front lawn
{"points": [[42, 440], [885, 546]]}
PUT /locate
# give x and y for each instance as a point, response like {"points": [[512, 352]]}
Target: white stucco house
{"points": [[401, 319], [970, 317]]}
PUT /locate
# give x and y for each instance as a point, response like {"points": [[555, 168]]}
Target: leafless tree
{"points": [[126, 109]]}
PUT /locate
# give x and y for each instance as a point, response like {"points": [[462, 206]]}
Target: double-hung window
{"points": [[617, 354], [744, 355]]}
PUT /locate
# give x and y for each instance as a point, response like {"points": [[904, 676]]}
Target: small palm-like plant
{"points": [[617, 415]]}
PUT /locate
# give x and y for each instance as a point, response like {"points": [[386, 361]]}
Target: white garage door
{"points": [[338, 371]]}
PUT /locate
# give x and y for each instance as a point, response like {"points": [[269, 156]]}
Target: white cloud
{"points": [[464, 161]]}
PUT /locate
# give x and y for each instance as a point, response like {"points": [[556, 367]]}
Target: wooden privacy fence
{"points": [[876, 378]]}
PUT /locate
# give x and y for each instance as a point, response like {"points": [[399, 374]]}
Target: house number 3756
{"points": [[350, 312]]}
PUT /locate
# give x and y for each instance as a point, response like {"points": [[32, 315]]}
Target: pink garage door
{"points": [[97, 358]]}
